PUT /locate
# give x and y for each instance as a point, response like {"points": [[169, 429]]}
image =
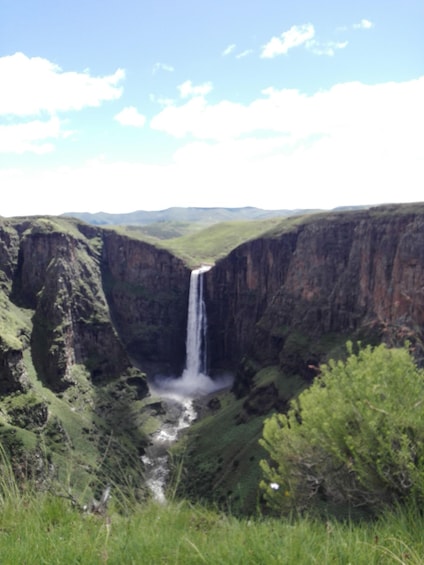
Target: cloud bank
{"points": [[36, 91], [351, 144]]}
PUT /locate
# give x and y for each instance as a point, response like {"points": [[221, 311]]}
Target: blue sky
{"points": [[121, 106]]}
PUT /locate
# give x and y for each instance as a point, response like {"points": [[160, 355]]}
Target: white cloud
{"points": [[294, 37], [195, 117], [351, 144], [187, 89], [228, 49], [162, 67], [31, 85], [363, 24], [344, 107], [130, 116]]}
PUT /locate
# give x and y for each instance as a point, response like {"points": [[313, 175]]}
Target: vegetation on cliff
{"points": [[353, 440], [73, 404]]}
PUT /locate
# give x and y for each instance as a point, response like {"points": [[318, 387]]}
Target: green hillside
{"points": [[179, 215], [212, 243]]}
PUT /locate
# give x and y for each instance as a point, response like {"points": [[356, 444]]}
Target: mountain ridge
{"points": [[204, 215]]}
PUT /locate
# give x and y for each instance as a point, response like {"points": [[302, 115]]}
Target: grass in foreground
{"points": [[44, 529]]}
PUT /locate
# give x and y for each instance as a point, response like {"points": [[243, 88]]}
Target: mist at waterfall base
{"points": [[194, 382]]}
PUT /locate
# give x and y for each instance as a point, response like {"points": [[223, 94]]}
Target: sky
{"points": [[127, 105]]}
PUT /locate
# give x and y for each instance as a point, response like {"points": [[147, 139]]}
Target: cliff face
{"points": [[88, 297], [292, 298], [77, 294], [147, 292]]}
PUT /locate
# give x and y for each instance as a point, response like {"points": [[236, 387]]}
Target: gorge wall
{"points": [[295, 296], [75, 294]]}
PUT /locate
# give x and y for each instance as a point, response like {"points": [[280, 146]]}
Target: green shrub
{"points": [[355, 438]]}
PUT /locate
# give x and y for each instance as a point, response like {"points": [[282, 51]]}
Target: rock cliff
{"points": [[147, 293], [96, 298], [296, 295]]}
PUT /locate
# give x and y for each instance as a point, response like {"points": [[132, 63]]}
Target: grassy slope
{"points": [[220, 453], [206, 245], [178, 215], [214, 242], [51, 531], [91, 436]]}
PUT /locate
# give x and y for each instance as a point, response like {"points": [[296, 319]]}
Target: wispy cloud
{"points": [[363, 24], [228, 49], [244, 53], [161, 100], [130, 116], [162, 67], [300, 36], [328, 48], [187, 89], [231, 49], [35, 136], [294, 37]]}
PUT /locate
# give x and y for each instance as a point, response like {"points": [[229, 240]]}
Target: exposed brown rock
{"points": [[13, 374], [61, 271], [147, 292], [289, 299]]}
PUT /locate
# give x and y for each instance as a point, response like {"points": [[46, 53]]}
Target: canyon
{"points": [[88, 315]]}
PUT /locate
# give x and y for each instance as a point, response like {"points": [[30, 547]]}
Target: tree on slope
{"points": [[355, 437]]}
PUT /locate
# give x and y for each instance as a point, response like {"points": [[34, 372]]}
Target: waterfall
{"points": [[196, 326], [194, 381]]}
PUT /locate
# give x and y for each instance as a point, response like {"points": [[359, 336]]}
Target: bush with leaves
{"points": [[354, 438]]}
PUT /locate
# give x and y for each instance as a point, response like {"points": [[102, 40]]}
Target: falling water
{"points": [[196, 326], [179, 393], [194, 381]]}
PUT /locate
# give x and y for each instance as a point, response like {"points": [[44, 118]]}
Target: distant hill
{"points": [[203, 216]]}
